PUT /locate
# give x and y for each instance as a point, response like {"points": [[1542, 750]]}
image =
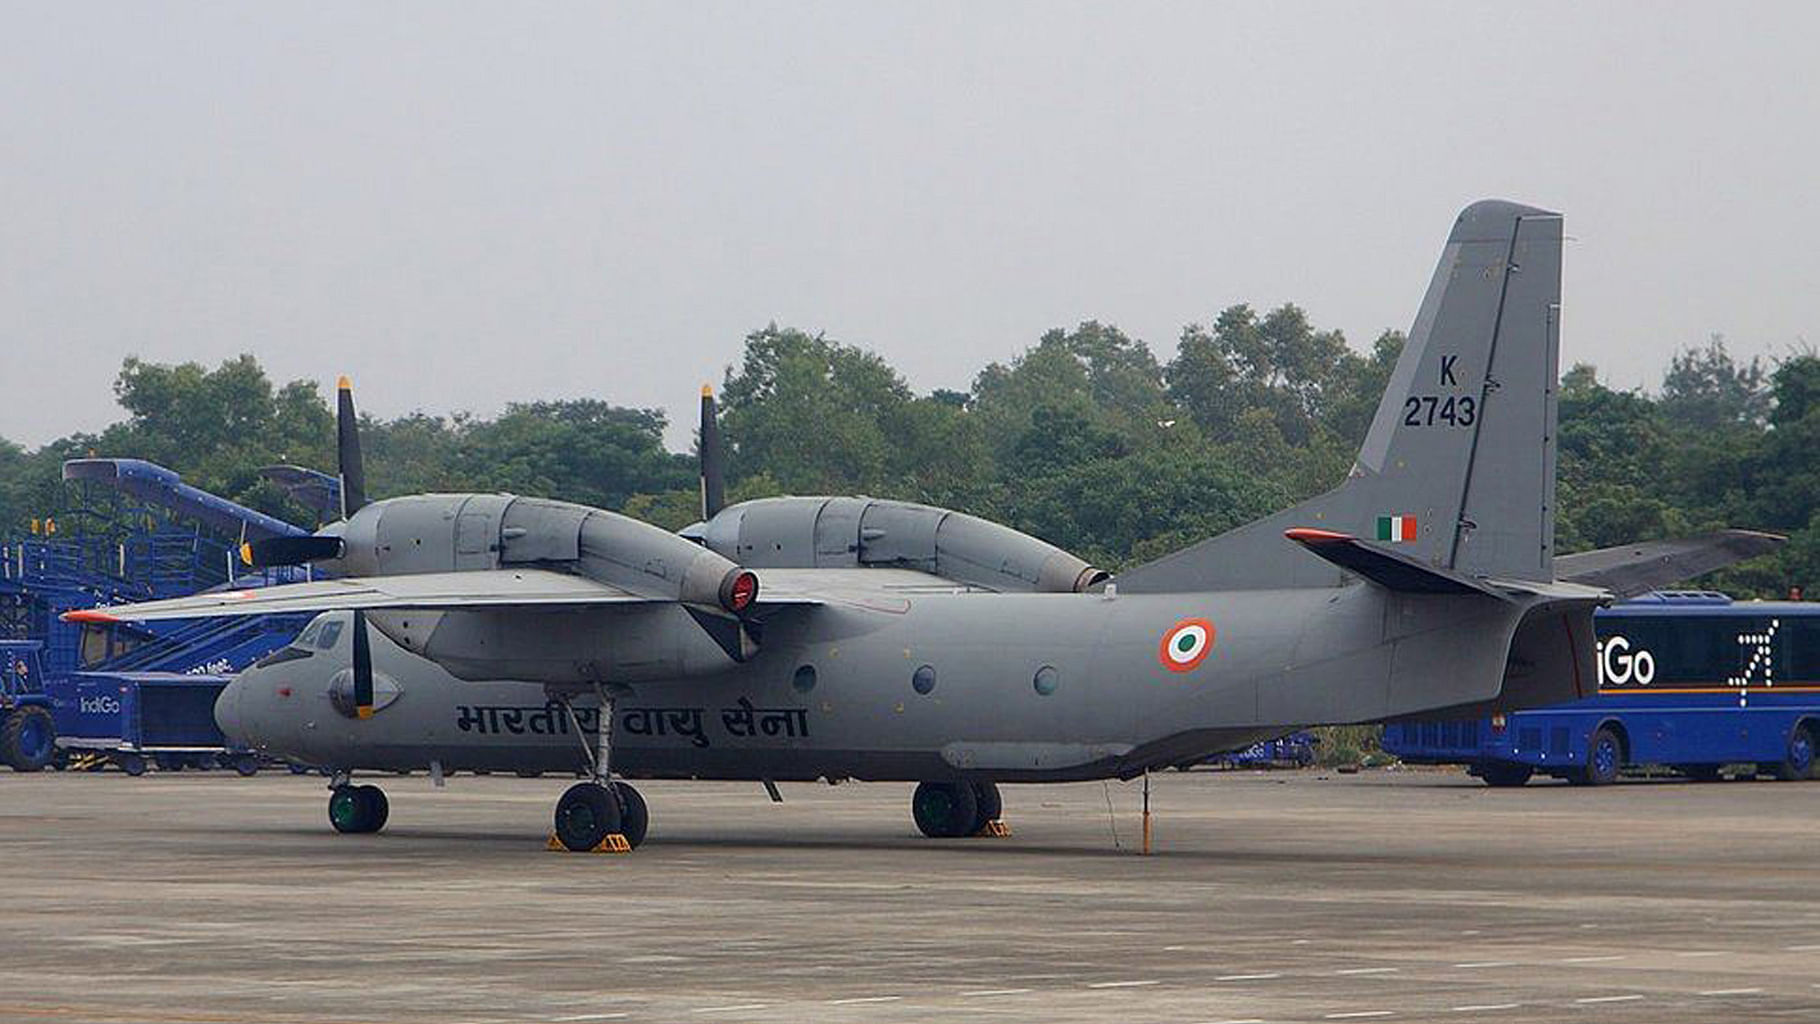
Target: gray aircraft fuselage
{"points": [[840, 698]]}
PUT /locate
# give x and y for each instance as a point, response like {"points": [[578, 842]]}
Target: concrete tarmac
{"points": [[1402, 896]]}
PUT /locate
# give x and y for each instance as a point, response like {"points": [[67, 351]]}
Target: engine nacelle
{"points": [[821, 532], [456, 532]]}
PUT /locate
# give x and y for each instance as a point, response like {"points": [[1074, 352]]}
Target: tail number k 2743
{"points": [[1433, 410]]}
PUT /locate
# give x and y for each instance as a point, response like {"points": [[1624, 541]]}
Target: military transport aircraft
{"points": [[298, 704], [1425, 582]]}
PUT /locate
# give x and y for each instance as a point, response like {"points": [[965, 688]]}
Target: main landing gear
{"points": [[602, 814], [356, 809], [949, 810]]}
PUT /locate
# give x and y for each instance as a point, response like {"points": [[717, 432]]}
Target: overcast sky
{"points": [[464, 205]]}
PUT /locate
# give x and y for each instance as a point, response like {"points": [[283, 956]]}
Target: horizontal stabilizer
{"points": [[1634, 569], [1387, 569]]}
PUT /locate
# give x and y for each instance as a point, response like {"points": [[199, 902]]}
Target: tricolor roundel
{"points": [[1185, 645]]}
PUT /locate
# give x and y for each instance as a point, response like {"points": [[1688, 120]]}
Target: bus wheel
{"points": [[1798, 763], [1503, 773], [1604, 755]]}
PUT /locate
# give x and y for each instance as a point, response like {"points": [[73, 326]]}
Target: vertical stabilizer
{"points": [[1458, 468]]}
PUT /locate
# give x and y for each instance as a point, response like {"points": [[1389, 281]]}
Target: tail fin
{"points": [[1458, 468]]}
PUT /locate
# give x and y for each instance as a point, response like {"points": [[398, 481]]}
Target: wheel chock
{"points": [[613, 843], [995, 829]]}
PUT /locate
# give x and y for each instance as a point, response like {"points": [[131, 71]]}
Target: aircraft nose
{"points": [[227, 713]]}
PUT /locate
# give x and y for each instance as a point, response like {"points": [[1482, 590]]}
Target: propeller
{"points": [[347, 450], [363, 668], [713, 471], [316, 547]]}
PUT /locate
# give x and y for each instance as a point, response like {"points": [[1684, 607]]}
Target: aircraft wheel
{"points": [[131, 763], [585, 815], [358, 809], [1501, 774], [634, 816], [378, 807], [28, 739], [944, 810], [1604, 756], [991, 806], [1798, 764]]}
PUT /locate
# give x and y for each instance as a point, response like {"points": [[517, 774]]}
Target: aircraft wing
{"points": [[474, 590], [1639, 568]]}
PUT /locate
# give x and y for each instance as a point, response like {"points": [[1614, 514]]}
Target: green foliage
{"points": [[1085, 439]]}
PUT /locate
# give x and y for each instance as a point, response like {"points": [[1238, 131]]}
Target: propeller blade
{"points": [[276, 551], [713, 471], [347, 450], [363, 668]]}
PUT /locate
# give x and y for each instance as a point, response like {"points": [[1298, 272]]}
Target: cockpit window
{"points": [[280, 656], [331, 632], [308, 636]]}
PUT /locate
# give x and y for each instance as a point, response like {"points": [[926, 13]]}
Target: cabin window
{"points": [[1047, 679], [923, 679], [804, 679]]}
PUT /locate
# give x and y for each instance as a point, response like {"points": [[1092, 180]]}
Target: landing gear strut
{"points": [[949, 810], [591, 814], [357, 809]]}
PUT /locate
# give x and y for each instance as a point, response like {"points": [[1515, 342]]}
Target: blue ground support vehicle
{"points": [[131, 719], [1691, 680], [1295, 750], [28, 738]]}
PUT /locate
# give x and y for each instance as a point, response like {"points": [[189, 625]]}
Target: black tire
{"points": [[378, 807], [131, 763], [1604, 756], [944, 810], [28, 739], [991, 806], [245, 764], [634, 816], [1798, 764], [1700, 772], [1502, 774], [585, 815], [349, 809]]}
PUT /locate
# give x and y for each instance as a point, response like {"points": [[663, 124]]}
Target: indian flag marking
{"points": [[1185, 645], [1397, 529]]}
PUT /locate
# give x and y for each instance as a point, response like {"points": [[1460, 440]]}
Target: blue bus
{"points": [[1691, 680]]}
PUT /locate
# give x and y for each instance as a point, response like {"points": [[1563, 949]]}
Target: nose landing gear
{"points": [[357, 809]]}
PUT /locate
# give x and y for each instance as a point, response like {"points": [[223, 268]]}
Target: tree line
{"points": [[1085, 439]]}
